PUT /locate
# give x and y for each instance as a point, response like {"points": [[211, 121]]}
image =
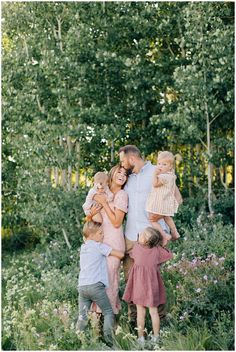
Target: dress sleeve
{"points": [[110, 195], [131, 254], [121, 201], [163, 255], [133, 251]]}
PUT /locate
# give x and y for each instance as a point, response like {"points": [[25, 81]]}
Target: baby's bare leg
{"points": [[97, 217], [153, 218], [173, 229]]}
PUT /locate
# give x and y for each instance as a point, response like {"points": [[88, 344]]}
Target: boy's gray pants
{"points": [[95, 293]]}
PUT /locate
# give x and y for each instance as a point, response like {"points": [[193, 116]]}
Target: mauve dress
{"points": [[145, 286], [114, 237]]}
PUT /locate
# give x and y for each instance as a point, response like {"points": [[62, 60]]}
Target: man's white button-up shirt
{"points": [[138, 187]]}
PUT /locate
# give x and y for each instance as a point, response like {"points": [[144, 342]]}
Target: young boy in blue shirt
{"points": [[93, 278]]}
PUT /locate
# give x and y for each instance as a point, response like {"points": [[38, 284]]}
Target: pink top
{"points": [[113, 236], [145, 286], [89, 198]]}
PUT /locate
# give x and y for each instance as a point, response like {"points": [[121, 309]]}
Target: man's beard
{"points": [[130, 169]]}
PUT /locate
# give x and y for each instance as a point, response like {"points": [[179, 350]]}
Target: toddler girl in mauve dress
{"points": [[145, 287]]}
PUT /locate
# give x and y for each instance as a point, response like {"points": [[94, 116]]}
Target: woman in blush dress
{"points": [[113, 214]]}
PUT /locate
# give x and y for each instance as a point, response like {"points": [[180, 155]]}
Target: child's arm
{"points": [[160, 179], [163, 254], [178, 196], [90, 207], [117, 254], [116, 217], [108, 250], [156, 182], [89, 201]]}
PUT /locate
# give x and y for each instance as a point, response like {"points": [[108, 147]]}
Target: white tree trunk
{"points": [[112, 151], [56, 176], [69, 174], [209, 166], [66, 238], [77, 172], [223, 175], [63, 178]]}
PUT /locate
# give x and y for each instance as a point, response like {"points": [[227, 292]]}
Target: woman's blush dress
{"points": [[145, 286], [114, 237]]}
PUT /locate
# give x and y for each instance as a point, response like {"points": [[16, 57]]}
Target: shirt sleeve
{"points": [[89, 201], [163, 255], [104, 249], [121, 201]]}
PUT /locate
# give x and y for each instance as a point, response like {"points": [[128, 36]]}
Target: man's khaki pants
{"points": [[127, 264]]}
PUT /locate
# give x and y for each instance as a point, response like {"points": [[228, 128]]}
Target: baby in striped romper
{"points": [[161, 202]]}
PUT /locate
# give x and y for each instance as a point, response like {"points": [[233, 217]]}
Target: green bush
{"points": [[224, 205], [22, 237]]}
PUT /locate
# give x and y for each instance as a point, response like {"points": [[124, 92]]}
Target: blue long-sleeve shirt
{"points": [[138, 187]]}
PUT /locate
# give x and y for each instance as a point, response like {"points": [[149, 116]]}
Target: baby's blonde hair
{"points": [[91, 226], [101, 177], [168, 156]]}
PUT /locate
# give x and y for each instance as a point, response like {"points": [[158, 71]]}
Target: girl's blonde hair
{"points": [[90, 226], [168, 156], [155, 238]]}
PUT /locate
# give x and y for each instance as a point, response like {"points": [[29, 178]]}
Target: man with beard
{"points": [[138, 187]]}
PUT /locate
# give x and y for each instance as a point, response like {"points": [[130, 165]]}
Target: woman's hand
{"points": [[100, 198], [95, 209]]}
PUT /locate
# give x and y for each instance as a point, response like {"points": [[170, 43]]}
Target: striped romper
{"points": [[161, 200]]}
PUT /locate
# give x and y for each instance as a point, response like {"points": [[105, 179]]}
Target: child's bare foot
{"points": [[165, 238], [175, 236]]}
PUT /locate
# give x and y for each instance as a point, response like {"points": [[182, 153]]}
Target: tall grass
{"points": [[40, 298]]}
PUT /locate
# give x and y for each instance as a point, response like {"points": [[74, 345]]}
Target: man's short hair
{"points": [[130, 149]]}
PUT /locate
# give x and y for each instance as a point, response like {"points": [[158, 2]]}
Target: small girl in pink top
{"points": [[162, 201], [145, 287]]}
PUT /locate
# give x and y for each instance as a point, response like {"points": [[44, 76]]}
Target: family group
{"points": [[149, 196]]}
